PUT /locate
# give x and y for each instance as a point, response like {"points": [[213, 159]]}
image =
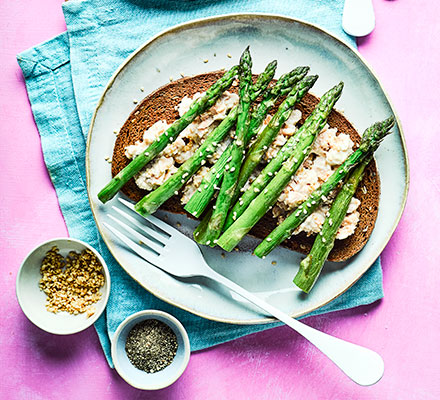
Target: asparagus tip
{"points": [[272, 64], [388, 123], [311, 79]]}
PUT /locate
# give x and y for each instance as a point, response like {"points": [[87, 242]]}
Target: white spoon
{"points": [[358, 17]]}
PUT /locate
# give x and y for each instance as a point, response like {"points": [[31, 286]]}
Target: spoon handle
{"points": [[358, 17]]}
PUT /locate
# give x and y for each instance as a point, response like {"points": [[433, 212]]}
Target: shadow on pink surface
{"points": [[55, 349]]}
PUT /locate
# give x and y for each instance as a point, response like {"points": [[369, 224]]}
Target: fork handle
{"points": [[362, 365]]}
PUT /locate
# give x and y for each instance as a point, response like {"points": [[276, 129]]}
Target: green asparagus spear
{"points": [[201, 198], [196, 108], [297, 148], [232, 169], [311, 266], [151, 202], [370, 142], [202, 233], [264, 140]]}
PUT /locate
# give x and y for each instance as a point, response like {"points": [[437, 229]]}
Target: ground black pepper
{"points": [[151, 345]]}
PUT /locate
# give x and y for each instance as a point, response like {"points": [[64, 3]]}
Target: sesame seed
{"points": [[269, 239], [176, 192], [182, 180], [214, 207], [305, 211], [208, 242], [218, 176], [157, 69], [227, 167], [197, 233], [141, 89], [200, 190], [263, 257], [274, 263], [166, 133], [205, 60], [215, 241], [203, 162], [228, 55], [115, 132], [232, 169], [135, 101], [256, 190], [265, 147], [323, 240], [266, 190], [270, 173], [305, 151], [206, 186], [182, 75], [171, 79], [185, 174]]}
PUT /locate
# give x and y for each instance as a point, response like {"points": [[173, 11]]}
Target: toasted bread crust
{"points": [[161, 105]]}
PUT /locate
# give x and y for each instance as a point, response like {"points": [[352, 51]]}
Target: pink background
{"points": [[404, 327]]}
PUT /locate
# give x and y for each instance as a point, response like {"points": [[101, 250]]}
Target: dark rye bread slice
{"points": [[161, 105]]}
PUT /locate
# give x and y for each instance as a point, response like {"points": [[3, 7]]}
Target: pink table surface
{"points": [[404, 327]]}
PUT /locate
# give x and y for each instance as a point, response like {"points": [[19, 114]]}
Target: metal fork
{"points": [[179, 256]]}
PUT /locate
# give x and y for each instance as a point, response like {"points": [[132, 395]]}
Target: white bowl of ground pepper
{"points": [[63, 286], [150, 349]]}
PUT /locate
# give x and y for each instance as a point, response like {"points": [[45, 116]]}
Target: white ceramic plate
{"points": [[184, 49]]}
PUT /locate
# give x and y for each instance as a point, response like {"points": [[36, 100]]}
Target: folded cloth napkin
{"points": [[65, 77]]}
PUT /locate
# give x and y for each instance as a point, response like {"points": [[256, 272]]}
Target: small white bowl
{"points": [[33, 301], [140, 379]]}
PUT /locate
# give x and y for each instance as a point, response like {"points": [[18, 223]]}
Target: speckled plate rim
{"points": [[192, 23]]}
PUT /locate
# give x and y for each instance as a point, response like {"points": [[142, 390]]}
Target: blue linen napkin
{"points": [[65, 77]]}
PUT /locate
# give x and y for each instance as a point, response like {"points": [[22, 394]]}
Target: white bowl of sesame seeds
{"points": [[63, 286]]}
